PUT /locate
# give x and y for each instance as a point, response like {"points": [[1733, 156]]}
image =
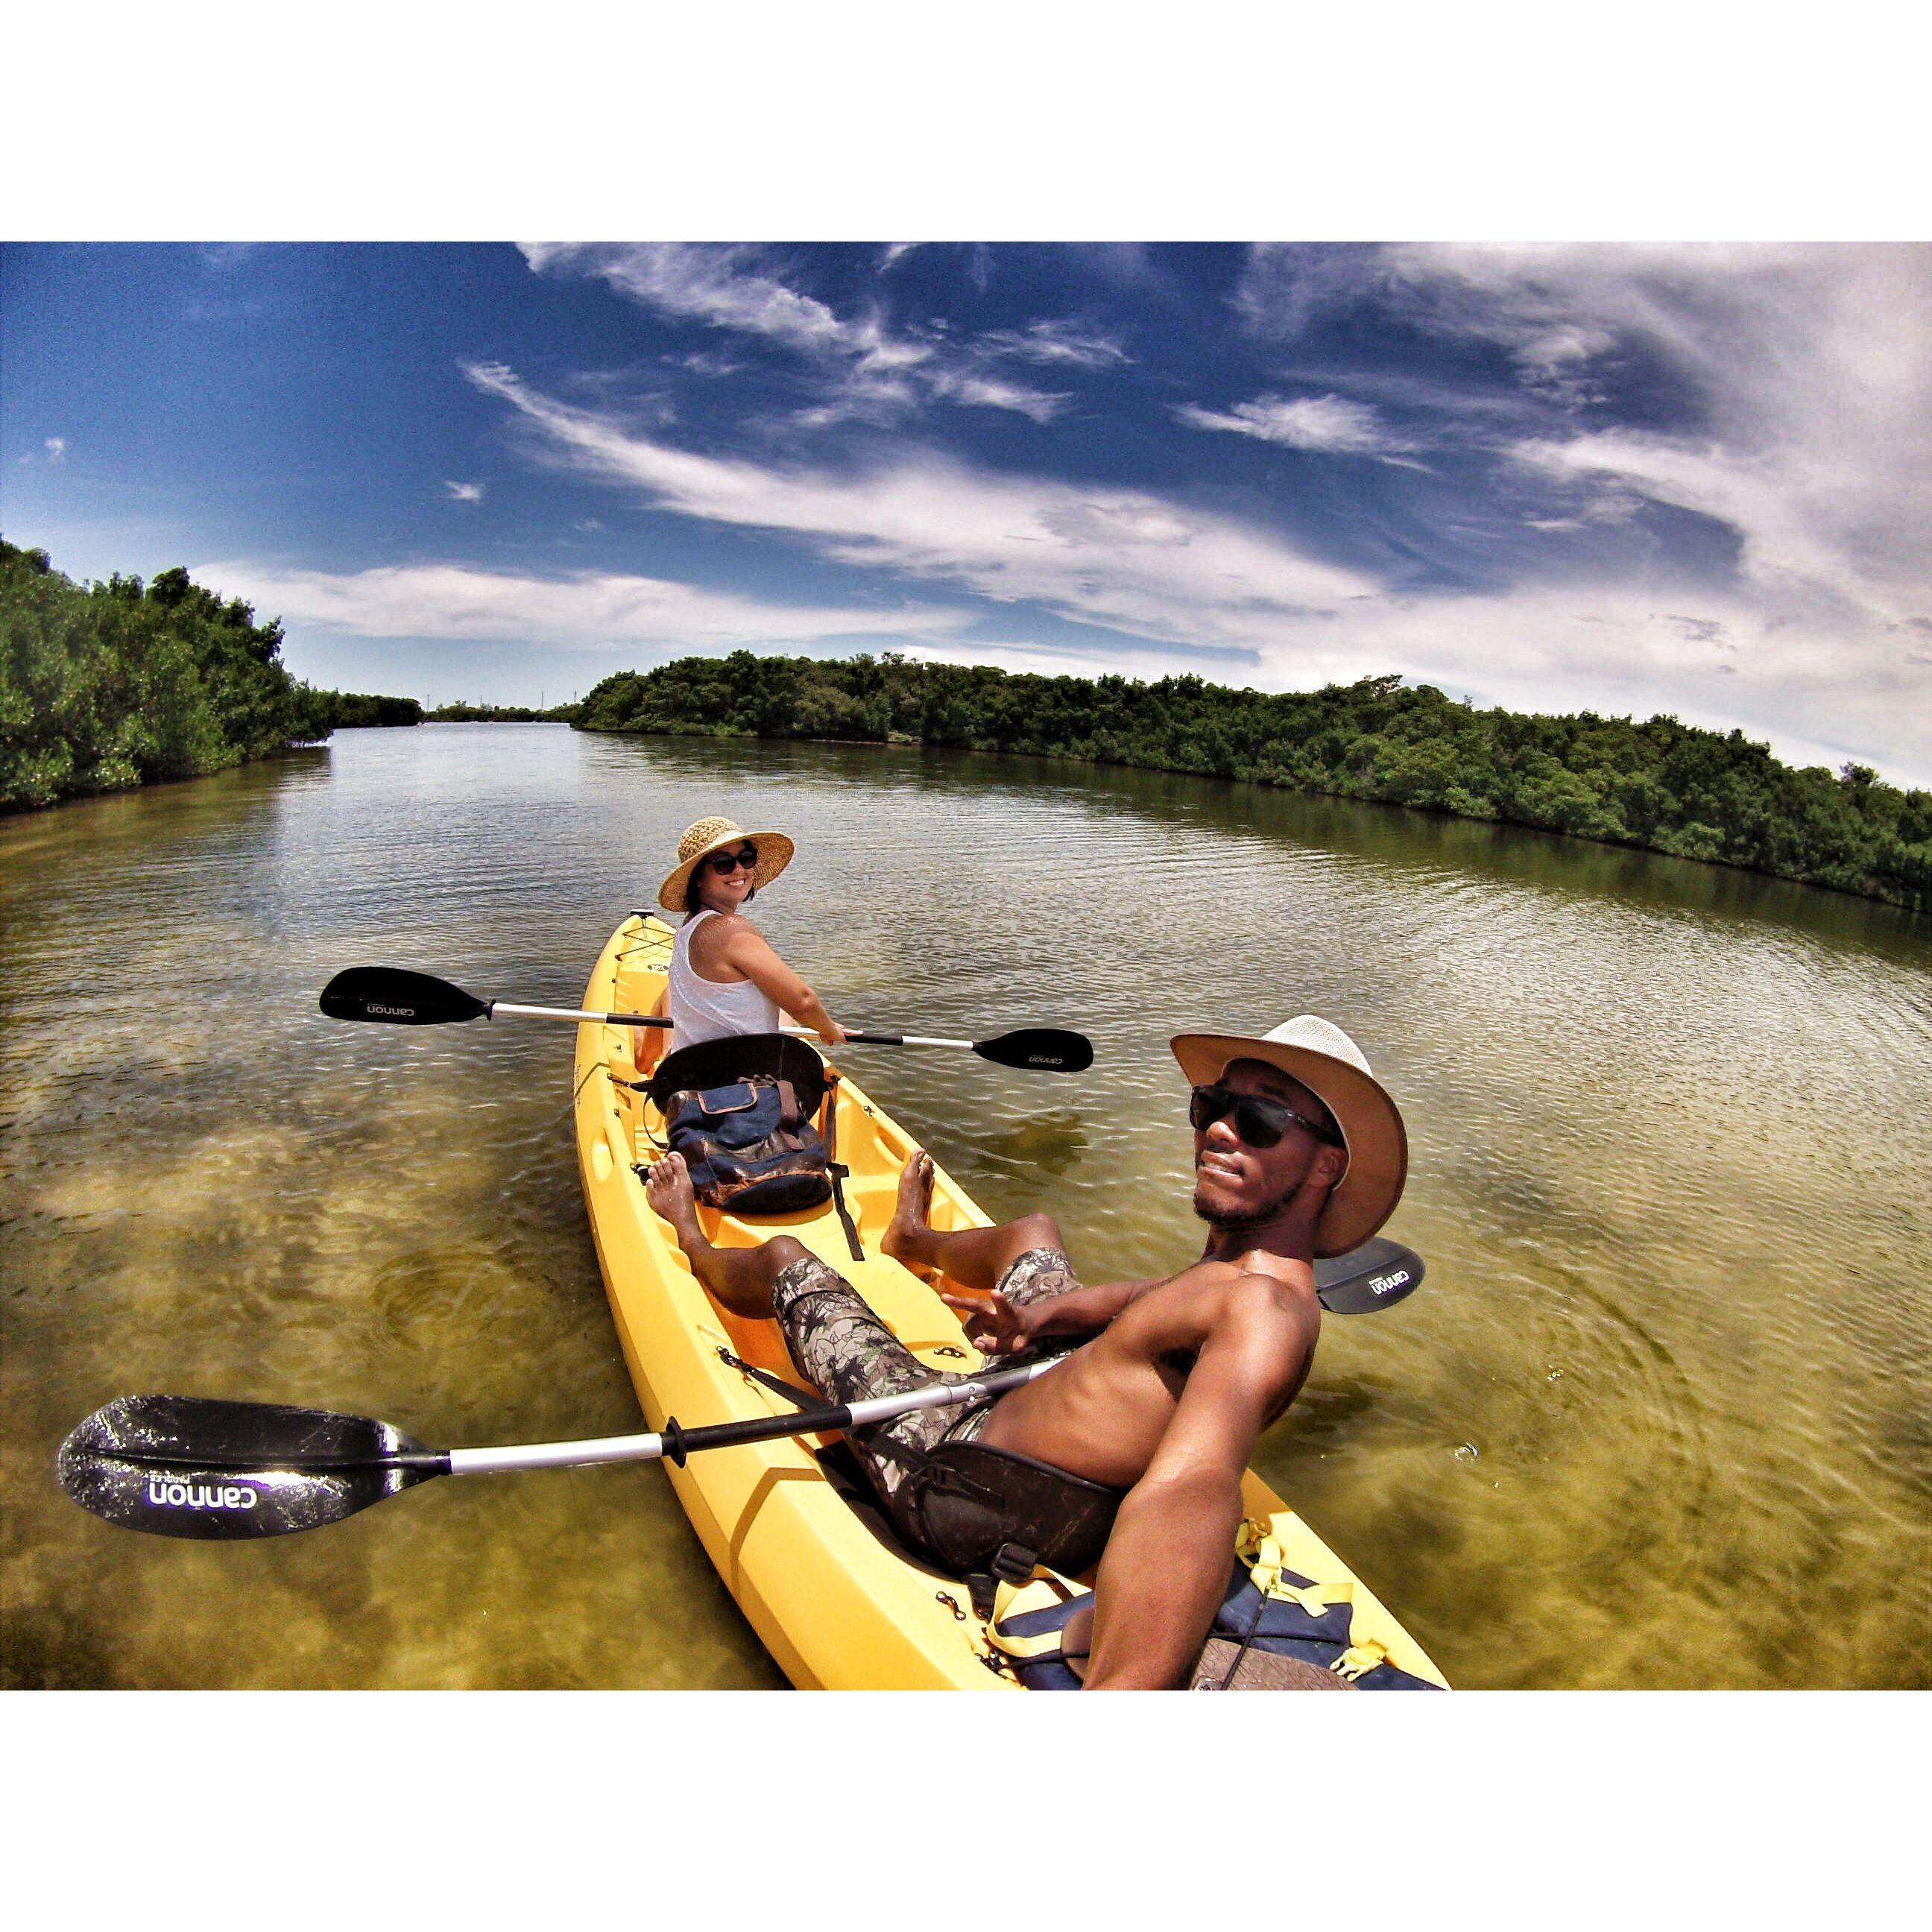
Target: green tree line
{"points": [[460, 713], [347, 710], [110, 685], [1661, 784]]}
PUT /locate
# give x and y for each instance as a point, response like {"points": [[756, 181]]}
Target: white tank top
{"points": [[701, 1008]]}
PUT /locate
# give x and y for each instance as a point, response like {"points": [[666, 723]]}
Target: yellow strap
{"points": [[1039, 1593], [1257, 1544]]}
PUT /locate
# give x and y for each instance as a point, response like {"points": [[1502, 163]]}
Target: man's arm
{"points": [[1005, 1326], [1167, 1562]]}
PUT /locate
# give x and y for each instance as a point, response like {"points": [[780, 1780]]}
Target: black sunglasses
{"points": [[1259, 1121], [729, 862]]}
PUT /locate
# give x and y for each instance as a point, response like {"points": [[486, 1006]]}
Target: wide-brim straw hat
{"points": [[1330, 1065], [708, 835]]}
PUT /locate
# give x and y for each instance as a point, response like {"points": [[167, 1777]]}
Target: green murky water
{"points": [[1658, 1417]]}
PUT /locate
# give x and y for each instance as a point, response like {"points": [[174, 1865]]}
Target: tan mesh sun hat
{"points": [[708, 835], [1330, 1065]]}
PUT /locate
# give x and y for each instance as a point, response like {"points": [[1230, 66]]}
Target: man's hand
{"points": [[995, 1325]]}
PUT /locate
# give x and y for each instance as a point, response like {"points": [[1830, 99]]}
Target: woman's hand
{"points": [[831, 1033]]}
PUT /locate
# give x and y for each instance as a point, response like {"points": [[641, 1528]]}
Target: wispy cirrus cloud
{"points": [[56, 448], [1125, 558], [1051, 342], [1329, 425], [867, 368], [587, 609], [465, 493]]}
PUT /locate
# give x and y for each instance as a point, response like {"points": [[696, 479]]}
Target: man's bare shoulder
{"points": [[1293, 1280]]}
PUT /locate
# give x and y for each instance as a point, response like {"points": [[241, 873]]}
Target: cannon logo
{"points": [[375, 1009], [1386, 1284], [164, 1495]]}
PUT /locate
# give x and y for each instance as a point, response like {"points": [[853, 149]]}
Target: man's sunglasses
{"points": [[1259, 1121], [722, 862]]}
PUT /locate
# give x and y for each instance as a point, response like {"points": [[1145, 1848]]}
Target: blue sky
{"points": [[1662, 477]]}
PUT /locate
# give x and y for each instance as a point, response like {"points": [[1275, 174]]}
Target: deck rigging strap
{"points": [[798, 1398], [832, 1168]]}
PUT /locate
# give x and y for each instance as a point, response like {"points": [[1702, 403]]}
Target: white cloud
{"points": [[465, 493], [1122, 558], [56, 448], [586, 610], [714, 285], [1330, 425], [1051, 342], [871, 370]]}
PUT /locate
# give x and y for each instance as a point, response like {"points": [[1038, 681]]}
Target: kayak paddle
{"points": [[399, 997], [190, 1466], [1378, 1274], [193, 1466]]}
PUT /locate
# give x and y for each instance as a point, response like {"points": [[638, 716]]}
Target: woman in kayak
{"points": [[724, 978]]}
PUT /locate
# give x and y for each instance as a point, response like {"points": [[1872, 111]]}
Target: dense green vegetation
{"points": [[110, 685], [1661, 784], [349, 710]]}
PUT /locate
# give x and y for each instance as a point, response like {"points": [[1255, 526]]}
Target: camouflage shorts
{"points": [[848, 1354]]}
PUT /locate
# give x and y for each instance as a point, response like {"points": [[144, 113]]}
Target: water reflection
{"points": [[1668, 1130]]}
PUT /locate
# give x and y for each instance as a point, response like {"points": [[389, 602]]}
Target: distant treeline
{"points": [[349, 709], [1662, 785], [110, 685], [501, 714]]}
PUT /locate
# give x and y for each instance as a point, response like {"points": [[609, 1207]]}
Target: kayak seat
{"points": [[842, 1470]]}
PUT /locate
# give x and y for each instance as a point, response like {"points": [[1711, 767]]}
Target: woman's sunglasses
{"points": [[1259, 1121], [729, 862]]}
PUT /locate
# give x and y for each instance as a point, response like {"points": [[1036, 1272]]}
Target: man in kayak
{"points": [[1298, 1151]]}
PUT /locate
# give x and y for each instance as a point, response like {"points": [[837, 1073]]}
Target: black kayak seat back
{"points": [[716, 1062]]}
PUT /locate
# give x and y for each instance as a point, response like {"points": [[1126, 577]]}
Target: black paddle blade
{"points": [[185, 1465], [1378, 1274], [1043, 1049], [400, 998]]}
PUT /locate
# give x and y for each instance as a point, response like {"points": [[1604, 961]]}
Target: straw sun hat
{"points": [[1330, 1065], [708, 836]]}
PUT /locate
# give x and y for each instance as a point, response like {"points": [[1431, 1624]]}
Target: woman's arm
{"points": [[648, 1049], [747, 949]]}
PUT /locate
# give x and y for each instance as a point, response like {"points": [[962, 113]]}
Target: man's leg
{"points": [[741, 1278], [839, 1345], [976, 1258]]}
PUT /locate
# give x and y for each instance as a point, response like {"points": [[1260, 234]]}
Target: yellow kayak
{"points": [[837, 1601]]}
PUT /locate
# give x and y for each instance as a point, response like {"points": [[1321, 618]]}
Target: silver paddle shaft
{"points": [[649, 1447]]}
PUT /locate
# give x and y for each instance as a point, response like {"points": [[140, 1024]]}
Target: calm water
{"points": [[1658, 1417]]}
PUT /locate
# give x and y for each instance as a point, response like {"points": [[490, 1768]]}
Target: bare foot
{"points": [[901, 1240], [668, 1188]]}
